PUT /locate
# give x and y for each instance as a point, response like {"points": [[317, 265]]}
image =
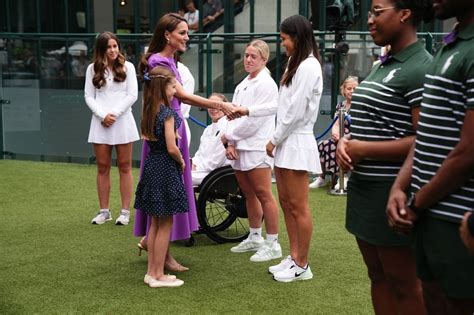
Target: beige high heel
{"points": [[142, 246]]}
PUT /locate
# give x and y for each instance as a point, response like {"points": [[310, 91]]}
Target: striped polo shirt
{"points": [[448, 94], [382, 104]]}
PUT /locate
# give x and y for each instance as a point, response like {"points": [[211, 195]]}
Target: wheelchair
{"points": [[221, 208]]}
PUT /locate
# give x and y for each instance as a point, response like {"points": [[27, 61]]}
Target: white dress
{"points": [[116, 98], [298, 107]]}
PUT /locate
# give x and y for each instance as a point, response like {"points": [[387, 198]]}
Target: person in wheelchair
{"points": [[211, 153], [245, 139], [327, 148]]}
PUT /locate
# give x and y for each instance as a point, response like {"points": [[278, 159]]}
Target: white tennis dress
{"points": [[116, 98]]}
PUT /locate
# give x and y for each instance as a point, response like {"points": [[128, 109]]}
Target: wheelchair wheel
{"points": [[221, 209]]}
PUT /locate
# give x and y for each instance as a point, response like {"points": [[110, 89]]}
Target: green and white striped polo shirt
{"points": [[382, 104], [448, 94]]}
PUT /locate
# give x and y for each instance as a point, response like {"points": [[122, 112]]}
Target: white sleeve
{"points": [[265, 109], [304, 84], [265, 93], [89, 94], [188, 85], [197, 158], [132, 91]]}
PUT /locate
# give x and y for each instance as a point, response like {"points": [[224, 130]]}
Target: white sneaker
{"points": [[248, 245], [294, 273], [318, 182], [284, 264], [269, 250], [124, 218], [102, 217]]}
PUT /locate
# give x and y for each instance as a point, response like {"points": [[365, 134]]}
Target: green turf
{"points": [[52, 260]]}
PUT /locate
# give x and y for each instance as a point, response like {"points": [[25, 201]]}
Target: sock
{"points": [[272, 238], [104, 210], [255, 233], [125, 211], [301, 269]]}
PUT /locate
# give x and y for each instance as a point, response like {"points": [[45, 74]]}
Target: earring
{"points": [[402, 21]]}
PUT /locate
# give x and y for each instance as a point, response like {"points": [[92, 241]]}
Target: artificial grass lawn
{"points": [[54, 261]]}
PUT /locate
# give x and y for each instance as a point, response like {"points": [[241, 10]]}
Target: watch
{"points": [[411, 204]]}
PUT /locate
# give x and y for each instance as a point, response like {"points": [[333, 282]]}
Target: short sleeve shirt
{"points": [[382, 103], [448, 95]]}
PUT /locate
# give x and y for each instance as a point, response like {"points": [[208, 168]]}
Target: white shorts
{"points": [[249, 160]]}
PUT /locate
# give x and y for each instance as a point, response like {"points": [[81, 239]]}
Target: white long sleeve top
{"points": [[211, 153], [253, 133], [298, 104], [188, 85], [114, 97]]}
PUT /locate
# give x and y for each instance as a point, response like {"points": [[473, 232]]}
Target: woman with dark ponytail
{"points": [[385, 111]]}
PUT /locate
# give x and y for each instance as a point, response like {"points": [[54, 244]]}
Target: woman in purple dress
{"points": [[171, 36]]}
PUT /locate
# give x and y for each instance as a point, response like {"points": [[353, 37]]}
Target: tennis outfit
{"points": [[113, 98], [448, 96], [381, 111], [297, 110], [251, 134], [211, 153]]}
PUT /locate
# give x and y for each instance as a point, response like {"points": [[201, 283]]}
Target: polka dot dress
{"points": [[160, 192]]}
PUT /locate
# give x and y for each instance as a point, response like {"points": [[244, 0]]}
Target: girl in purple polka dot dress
{"points": [[160, 192]]}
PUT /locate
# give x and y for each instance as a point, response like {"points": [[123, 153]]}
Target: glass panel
{"points": [[77, 16], [23, 16], [49, 9]]}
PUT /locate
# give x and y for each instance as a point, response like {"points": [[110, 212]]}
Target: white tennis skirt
{"points": [[298, 152]]}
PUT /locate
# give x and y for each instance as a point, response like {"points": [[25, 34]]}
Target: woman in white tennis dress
{"points": [[110, 90]]}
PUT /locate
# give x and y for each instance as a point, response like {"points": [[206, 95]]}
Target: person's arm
{"points": [[351, 152], [265, 92], [466, 231], [132, 91], [199, 101], [400, 217], [170, 137], [89, 95], [455, 171]]}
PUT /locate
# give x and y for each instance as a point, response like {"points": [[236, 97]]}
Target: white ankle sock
{"points": [[104, 210], [255, 233], [272, 238]]}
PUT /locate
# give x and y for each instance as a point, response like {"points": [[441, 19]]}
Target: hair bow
{"points": [[146, 76]]}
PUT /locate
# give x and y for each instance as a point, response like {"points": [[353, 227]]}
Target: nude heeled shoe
{"points": [[142, 246]]}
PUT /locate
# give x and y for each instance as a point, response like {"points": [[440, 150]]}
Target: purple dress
{"points": [[184, 223]]}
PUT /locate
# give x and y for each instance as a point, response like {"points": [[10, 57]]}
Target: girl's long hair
{"points": [[167, 22], [154, 94], [301, 32], [100, 61]]}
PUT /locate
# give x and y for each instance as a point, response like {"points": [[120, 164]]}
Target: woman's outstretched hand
{"points": [[237, 112]]}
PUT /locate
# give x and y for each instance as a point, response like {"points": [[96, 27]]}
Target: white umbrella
{"points": [[76, 49]]}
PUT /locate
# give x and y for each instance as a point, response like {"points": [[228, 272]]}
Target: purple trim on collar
{"points": [[451, 37], [383, 59]]}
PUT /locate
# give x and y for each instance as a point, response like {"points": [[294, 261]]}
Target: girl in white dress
{"points": [[110, 91], [293, 144], [245, 139]]}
